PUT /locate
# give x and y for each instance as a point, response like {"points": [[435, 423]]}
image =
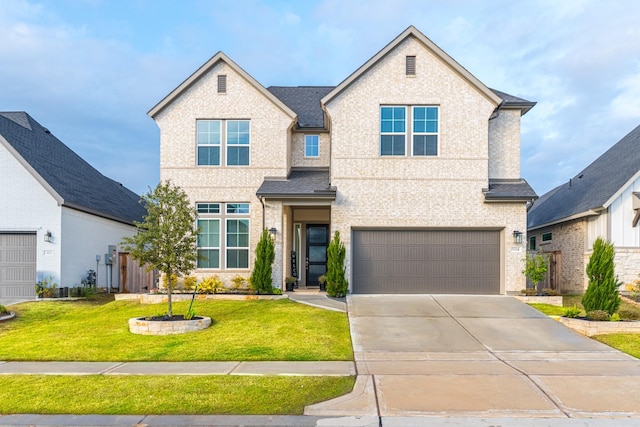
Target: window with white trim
{"points": [[420, 127], [311, 145], [223, 239], [547, 237], [223, 138]]}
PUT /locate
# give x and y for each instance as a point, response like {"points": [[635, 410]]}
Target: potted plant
{"points": [[290, 282], [323, 282]]}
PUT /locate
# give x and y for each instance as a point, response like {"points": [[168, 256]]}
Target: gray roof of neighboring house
{"points": [[75, 181], [591, 188], [305, 102], [509, 189], [301, 183]]}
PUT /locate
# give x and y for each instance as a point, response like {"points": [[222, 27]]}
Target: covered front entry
{"points": [[17, 264], [310, 239], [394, 261]]}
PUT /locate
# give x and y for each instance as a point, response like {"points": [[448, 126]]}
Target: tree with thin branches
{"points": [[166, 238]]}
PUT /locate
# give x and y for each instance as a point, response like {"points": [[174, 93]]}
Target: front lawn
{"points": [[251, 330], [122, 395]]}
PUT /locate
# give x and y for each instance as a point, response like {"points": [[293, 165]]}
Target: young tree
{"points": [[261, 280], [337, 284], [166, 238], [602, 292], [535, 268]]}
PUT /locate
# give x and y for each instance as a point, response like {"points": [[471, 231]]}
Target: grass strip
{"points": [[151, 395], [255, 330]]}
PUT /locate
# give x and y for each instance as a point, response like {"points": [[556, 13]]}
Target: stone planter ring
{"points": [[142, 326]]}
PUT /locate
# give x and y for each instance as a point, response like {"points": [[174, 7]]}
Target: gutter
{"points": [[585, 214]]}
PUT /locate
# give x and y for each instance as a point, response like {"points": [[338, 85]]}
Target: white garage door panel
{"points": [[17, 265]]}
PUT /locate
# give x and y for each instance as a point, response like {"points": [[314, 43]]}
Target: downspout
{"points": [[262, 203]]}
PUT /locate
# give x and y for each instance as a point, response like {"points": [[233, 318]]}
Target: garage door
{"points": [[421, 261], [17, 265]]}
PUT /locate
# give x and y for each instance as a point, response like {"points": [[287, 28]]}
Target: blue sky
{"points": [[89, 70]]}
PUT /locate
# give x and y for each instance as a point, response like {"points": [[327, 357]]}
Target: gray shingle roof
{"points": [[74, 180], [301, 183], [305, 101], [509, 189], [592, 187], [514, 101]]}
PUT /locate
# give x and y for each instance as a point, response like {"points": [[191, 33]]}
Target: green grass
{"points": [[243, 395], [628, 343], [251, 330]]}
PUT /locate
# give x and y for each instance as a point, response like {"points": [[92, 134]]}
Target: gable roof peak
{"points": [[202, 71], [412, 31]]}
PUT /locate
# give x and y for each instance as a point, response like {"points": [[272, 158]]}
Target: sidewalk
{"points": [[340, 368]]}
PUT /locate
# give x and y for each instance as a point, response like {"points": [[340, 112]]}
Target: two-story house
{"points": [[411, 158]]}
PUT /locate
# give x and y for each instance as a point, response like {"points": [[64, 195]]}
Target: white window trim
{"points": [[223, 143], [408, 133], [305, 146], [411, 132], [222, 218], [405, 133]]}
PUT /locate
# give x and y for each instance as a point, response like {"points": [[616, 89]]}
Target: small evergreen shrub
{"points": [[629, 314], [337, 284], [276, 291], [602, 292], [261, 281], [572, 311], [615, 317], [3, 310], [598, 315], [550, 292], [173, 283], [529, 292]]}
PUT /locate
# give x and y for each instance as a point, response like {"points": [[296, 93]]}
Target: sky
{"points": [[90, 70]]}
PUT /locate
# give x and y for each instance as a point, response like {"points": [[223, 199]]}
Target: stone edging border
{"points": [[9, 316]]}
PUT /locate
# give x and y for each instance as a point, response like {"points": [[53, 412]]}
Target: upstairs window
{"points": [[213, 135], [420, 127], [392, 131], [547, 237], [311, 145], [425, 131]]}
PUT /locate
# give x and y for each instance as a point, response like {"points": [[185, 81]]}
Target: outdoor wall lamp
{"points": [[47, 236], [273, 232], [517, 237]]}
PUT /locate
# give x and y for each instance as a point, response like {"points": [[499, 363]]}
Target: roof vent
{"points": [[411, 65], [222, 83]]}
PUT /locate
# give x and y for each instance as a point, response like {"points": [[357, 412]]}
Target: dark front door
{"points": [[316, 262]]}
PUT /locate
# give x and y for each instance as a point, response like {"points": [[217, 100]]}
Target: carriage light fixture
{"points": [[517, 237]]}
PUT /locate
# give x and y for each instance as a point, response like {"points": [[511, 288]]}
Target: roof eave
{"points": [[413, 31], [524, 107], [193, 78], [622, 189], [585, 214]]}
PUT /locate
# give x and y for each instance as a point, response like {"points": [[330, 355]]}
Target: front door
{"points": [[316, 262]]}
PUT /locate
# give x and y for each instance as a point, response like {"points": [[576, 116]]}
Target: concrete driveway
{"points": [[478, 356]]}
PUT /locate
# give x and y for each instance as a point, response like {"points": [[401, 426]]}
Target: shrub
{"points": [[598, 315], [261, 281], [550, 292], [3, 310], [276, 291], [210, 285], [529, 292], [572, 311], [337, 284], [602, 292], [189, 282], [174, 281], [627, 314], [240, 283], [615, 317]]}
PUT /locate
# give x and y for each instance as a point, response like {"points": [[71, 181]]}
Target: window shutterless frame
{"points": [[223, 241], [223, 142], [412, 129]]}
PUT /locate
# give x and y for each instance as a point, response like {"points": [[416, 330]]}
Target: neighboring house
{"points": [[58, 213], [601, 201], [411, 158]]}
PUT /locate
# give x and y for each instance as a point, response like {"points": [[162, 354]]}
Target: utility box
{"points": [[110, 256]]}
